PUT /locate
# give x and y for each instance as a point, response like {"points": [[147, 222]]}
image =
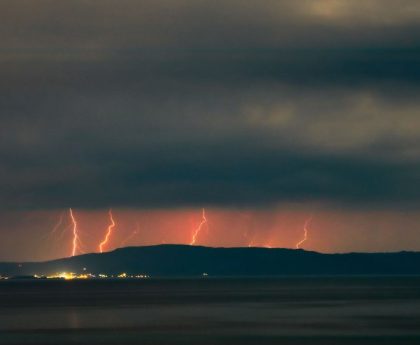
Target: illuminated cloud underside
{"points": [[227, 105]]}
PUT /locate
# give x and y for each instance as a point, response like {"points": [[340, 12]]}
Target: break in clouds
{"points": [[189, 103]]}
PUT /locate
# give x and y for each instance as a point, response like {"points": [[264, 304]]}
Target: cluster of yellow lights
{"points": [[137, 276], [71, 275], [68, 276]]}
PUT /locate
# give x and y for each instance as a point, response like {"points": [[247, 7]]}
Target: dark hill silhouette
{"points": [[182, 260]]}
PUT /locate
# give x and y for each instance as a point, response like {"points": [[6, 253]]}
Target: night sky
{"points": [[266, 113]]}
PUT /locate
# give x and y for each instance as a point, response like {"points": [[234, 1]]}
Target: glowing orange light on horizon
{"points": [[305, 233], [198, 229], [108, 232], [245, 235], [75, 233]]}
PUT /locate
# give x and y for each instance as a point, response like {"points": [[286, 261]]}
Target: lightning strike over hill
{"points": [[108, 232], [251, 244], [305, 233], [75, 241], [57, 225], [129, 237], [199, 228]]}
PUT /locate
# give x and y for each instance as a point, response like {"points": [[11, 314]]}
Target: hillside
{"points": [[182, 260]]}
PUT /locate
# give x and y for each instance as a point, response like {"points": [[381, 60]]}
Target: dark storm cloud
{"points": [[170, 103]]}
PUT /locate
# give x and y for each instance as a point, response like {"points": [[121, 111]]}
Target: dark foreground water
{"points": [[212, 311]]}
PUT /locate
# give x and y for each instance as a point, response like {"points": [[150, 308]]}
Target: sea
{"points": [[285, 310]]}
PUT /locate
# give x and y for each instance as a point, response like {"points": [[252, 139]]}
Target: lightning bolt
{"points": [[250, 241], [199, 228], [75, 233], [129, 237], [246, 235], [57, 226], [305, 233], [64, 231], [251, 244], [108, 232]]}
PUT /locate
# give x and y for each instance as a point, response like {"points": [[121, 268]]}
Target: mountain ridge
{"points": [[169, 260]]}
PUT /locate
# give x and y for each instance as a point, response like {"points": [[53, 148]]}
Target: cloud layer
{"points": [[187, 103]]}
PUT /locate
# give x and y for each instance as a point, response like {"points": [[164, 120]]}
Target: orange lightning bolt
{"points": [[200, 226], [305, 233], [251, 242], [108, 232], [129, 237], [75, 233], [57, 226]]}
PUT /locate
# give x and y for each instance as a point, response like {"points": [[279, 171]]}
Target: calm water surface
{"points": [[375, 310]]}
